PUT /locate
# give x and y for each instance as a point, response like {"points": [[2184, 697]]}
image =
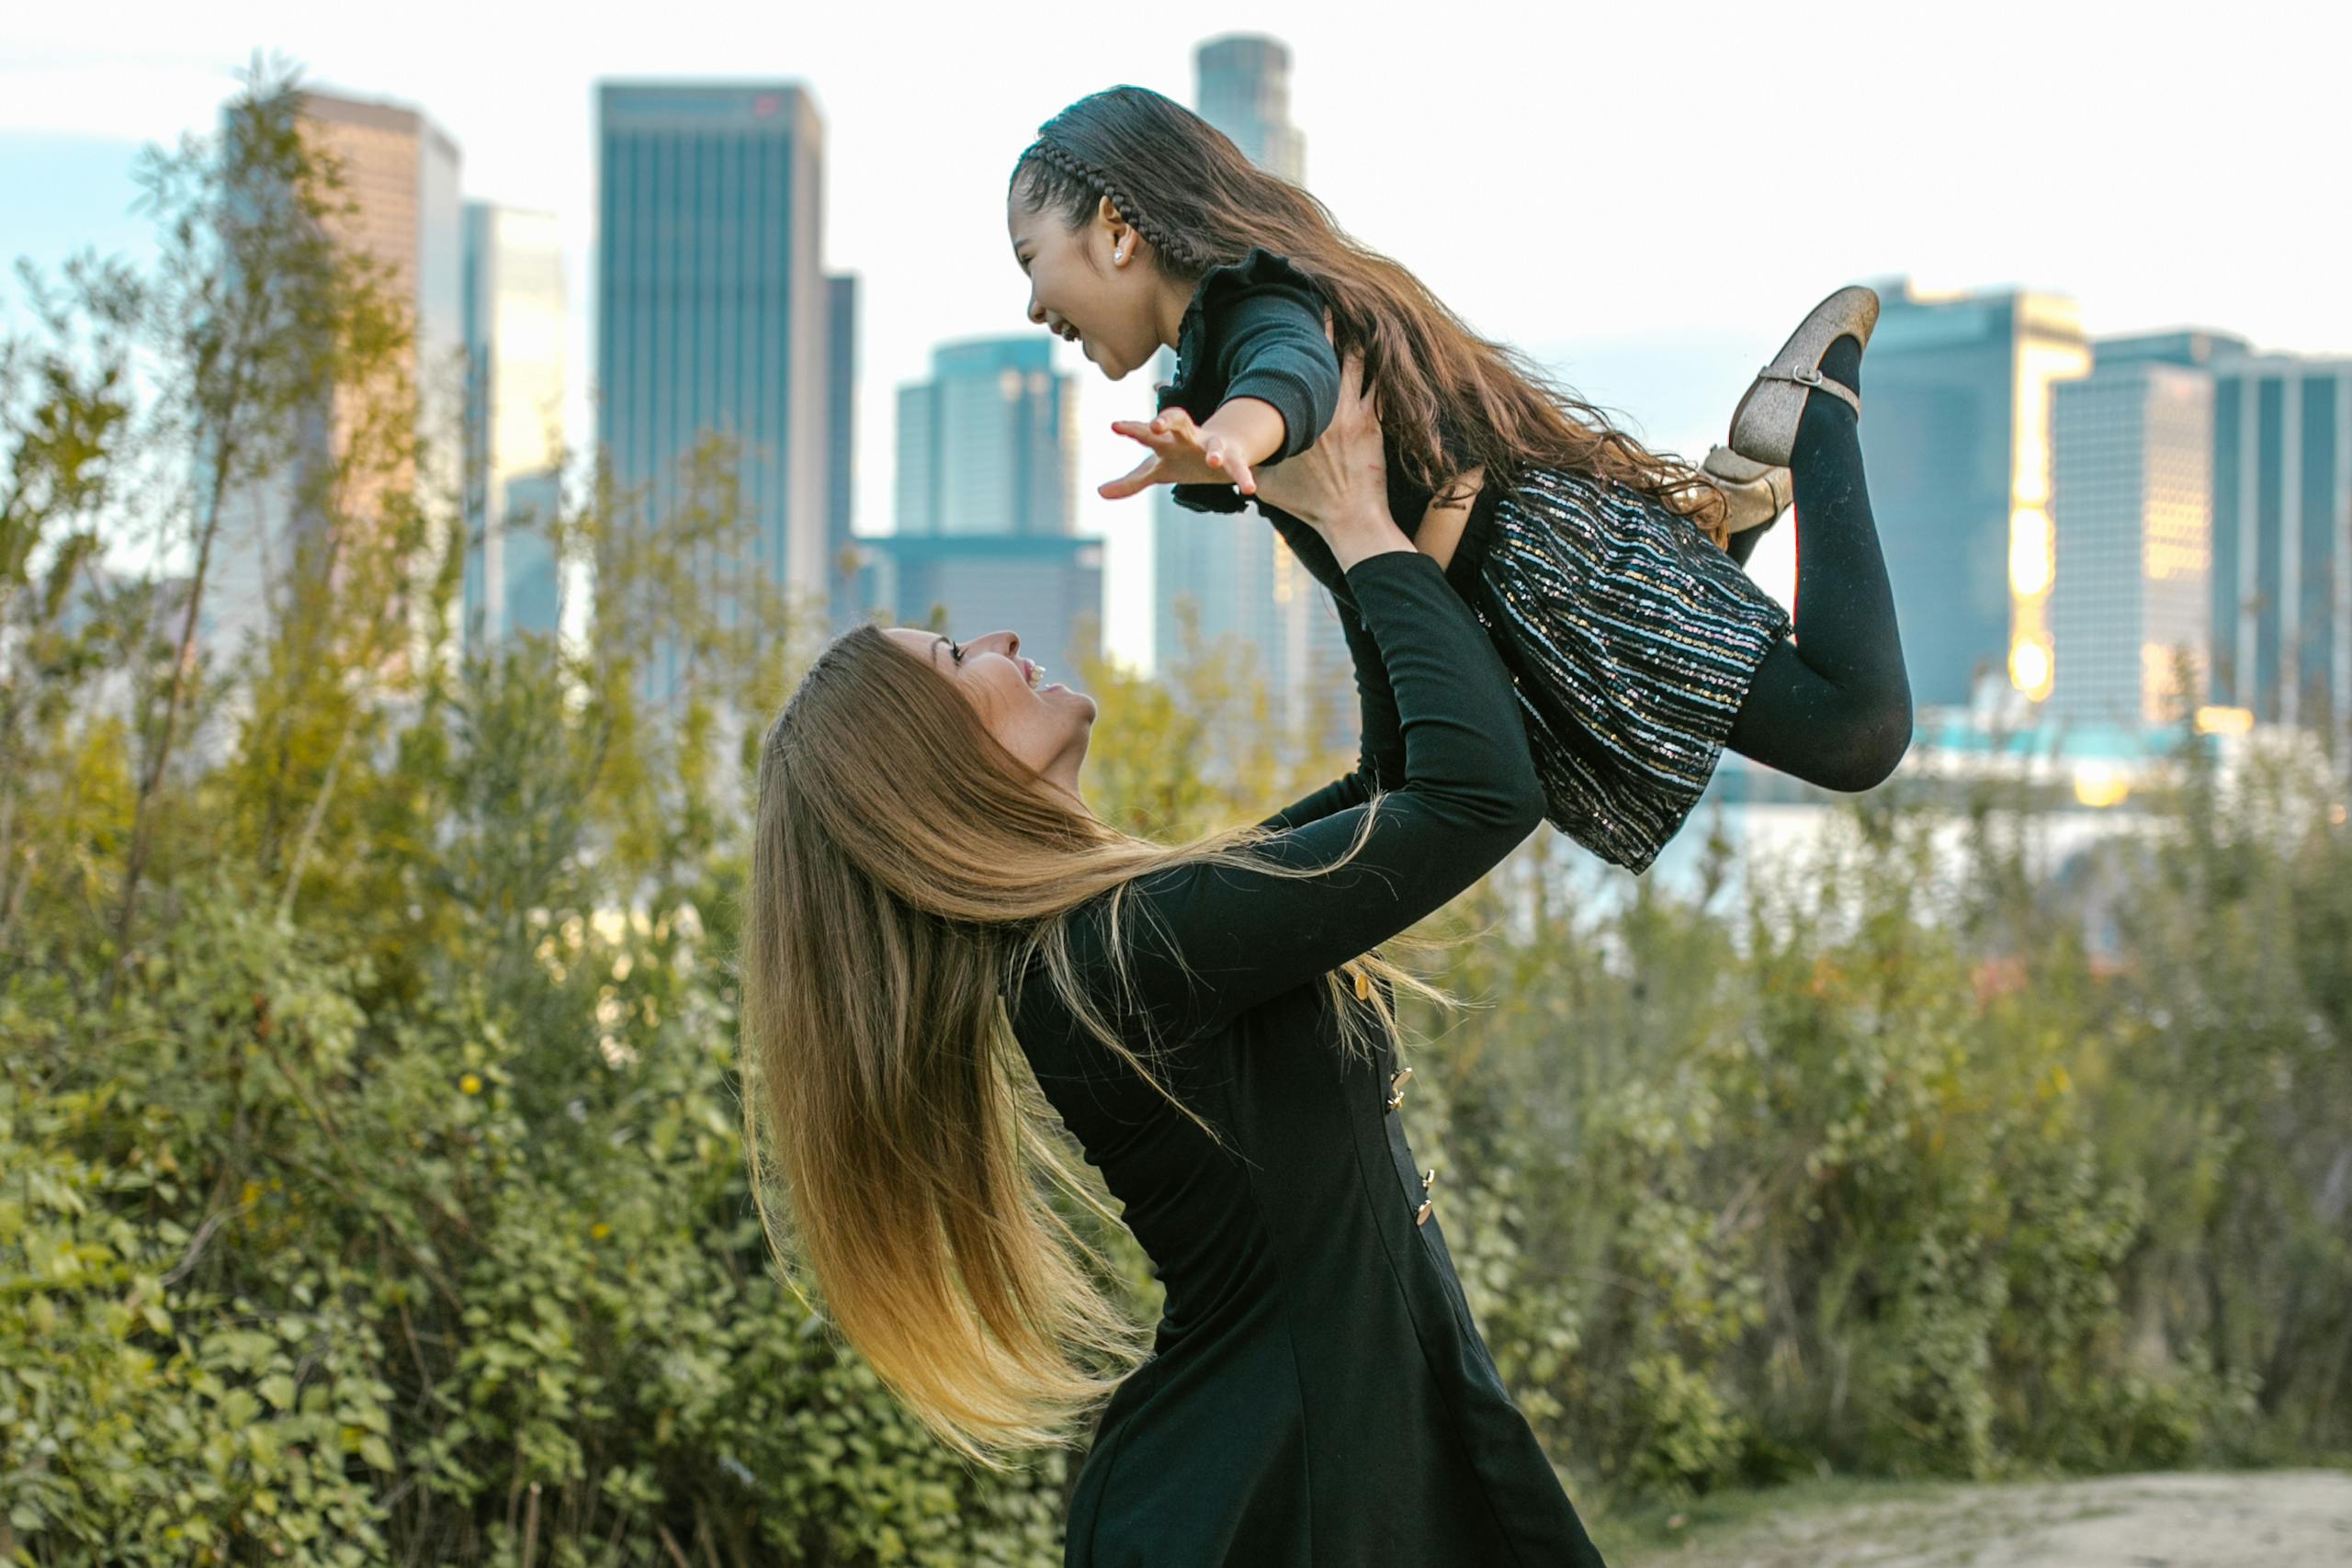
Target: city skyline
{"points": [[985, 496], [1665, 328]]}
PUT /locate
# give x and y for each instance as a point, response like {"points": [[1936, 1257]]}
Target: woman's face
{"points": [[1092, 284], [1043, 723]]}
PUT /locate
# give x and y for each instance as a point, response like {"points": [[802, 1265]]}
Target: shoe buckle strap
{"points": [[1810, 376]]}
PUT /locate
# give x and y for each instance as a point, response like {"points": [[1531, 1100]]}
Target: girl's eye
{"points": [[955, 651]]}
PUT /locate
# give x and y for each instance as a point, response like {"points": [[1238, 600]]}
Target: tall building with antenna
{"points": [[1220, 576]]}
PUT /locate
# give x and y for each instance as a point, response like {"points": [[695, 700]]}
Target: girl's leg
{"points": [[1832, 705], [1743, 543]]}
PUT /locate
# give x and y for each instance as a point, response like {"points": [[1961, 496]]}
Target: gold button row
{"points": [[1395, 1098]]}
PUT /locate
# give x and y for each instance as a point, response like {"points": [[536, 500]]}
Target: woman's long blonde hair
{"points": [[906, 872]]}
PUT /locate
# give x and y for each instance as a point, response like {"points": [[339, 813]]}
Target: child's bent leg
{"points": [[1743, 543], [1832, 706]]}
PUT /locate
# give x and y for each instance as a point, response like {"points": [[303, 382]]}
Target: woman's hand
{"points": [[1338, 487]]}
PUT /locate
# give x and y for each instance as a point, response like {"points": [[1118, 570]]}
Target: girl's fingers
{"points": [[1133, 482], [1233, 465], [1161, 445]]}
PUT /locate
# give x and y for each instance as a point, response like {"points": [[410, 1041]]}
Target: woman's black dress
{"points": [[1316, 1393]]}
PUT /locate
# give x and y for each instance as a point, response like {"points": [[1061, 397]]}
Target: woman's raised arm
{"points": [[1215, 940]]}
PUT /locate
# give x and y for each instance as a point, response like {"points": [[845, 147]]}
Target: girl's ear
{"points": [[1121, 234]]}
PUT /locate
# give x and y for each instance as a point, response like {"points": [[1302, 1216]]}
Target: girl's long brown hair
{"points": [[906, 871], [1199, 203]]}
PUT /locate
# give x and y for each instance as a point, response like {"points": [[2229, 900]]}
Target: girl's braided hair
{"points": [[1177, 252], [1450, 402]]}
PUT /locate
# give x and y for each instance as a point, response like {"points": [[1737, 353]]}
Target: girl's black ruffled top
{"points": [[1255, 329]]}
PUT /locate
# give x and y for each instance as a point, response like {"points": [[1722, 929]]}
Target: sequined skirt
{"points": [[1632, 638]]}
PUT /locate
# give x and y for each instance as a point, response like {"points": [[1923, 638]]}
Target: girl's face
{"points": [[1090, 284]]}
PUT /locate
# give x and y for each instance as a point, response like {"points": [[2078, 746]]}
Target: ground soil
{"points": [[2256, 1519]]}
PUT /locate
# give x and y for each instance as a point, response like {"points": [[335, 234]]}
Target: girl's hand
{"points": [[1181, 454]]}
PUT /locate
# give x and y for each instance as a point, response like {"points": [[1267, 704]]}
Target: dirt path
{"points": [[2266, 1519]]}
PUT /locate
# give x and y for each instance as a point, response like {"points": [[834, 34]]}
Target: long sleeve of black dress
{"points": [[1213, 941], [1380, 757]]}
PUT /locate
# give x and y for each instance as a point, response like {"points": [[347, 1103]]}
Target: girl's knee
{"points": [[1864, 743], [1882, 741]]}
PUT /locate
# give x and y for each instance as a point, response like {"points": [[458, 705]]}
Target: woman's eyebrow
{"points": [[935, 646]]}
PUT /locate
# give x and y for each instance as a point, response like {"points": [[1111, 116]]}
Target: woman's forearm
{"points": [[1361, 532]]}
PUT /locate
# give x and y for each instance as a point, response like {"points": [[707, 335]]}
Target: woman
{"points": [[929, 894]]}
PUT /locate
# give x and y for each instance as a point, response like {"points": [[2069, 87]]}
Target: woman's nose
{"points": [[1036, 312]]}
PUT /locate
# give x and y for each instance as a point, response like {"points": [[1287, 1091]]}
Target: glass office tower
{"points": [[713, 309], [515, 327], [402, 214], [988, 444], [840, 453], [2131, 511], [986, 500], [1956, 435], [1230, 576], [2283, 539]]}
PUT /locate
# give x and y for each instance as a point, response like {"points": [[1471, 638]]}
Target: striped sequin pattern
{"points": [[1632, 639]]}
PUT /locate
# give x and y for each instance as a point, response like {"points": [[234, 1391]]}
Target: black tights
{"points": [[1831, 704]]}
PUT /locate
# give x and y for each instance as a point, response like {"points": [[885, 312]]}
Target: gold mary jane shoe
{"points": [[1754, 494], [1764, 426]]}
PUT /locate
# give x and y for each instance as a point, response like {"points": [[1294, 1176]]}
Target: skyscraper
{"points": [[986, 445], [841, 448], [987, 483], [2131, 514], [2282, 539], [399, 172], [514, 326], [1243, 84], [1956, 434], [713, 310], [1231, 573], [402, 214]]}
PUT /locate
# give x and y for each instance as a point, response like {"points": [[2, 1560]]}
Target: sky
{"points": [[1647, 197]]}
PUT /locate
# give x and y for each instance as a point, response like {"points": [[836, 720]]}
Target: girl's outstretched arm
{"points": [[1228, 450], [1276, 378]]}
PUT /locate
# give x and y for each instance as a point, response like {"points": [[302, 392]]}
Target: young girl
{"points": [[1608, 578]]}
